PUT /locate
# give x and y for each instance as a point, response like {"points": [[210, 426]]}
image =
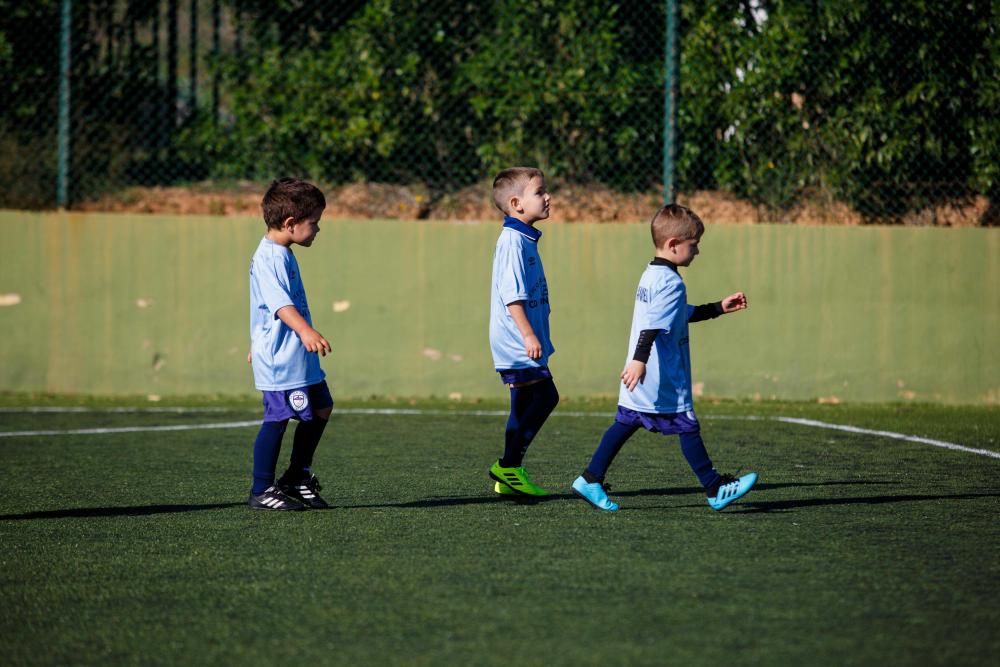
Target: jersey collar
{"points": [[525, 230], [659, 261]]}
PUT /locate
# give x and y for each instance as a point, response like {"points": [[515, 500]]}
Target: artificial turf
{"points": [[854, 549]]}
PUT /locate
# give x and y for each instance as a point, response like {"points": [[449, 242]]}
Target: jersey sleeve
{"points": [[275, 285], [510, 276], [666, 303]]}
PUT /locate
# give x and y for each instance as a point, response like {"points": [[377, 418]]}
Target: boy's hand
{"points": [[250, 357], [313, 341], [734, 302], [633, 374], [532, 346]]}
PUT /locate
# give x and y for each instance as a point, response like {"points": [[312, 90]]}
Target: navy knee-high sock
{"points": [[307, 435], [612, 442], [693, 449], [266, 448], [530, 406]]}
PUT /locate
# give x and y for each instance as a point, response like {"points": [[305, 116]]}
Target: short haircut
{"points": [[291, 198], [675, 221], [510, 183]]}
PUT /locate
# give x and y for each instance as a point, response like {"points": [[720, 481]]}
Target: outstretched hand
{"points": [[734, 302]]}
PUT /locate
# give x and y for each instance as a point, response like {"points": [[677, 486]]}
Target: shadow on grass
{"points": [[451, 501], [92, 512], [752, 507]]}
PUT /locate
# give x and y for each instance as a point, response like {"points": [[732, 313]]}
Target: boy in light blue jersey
{"points": [[284, 349], [656, 383], [519, 323]]}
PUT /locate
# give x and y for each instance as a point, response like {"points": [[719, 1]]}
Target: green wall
{"points": [[115, 304]]}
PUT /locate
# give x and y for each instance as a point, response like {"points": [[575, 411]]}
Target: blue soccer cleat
{"points": [[730, 489], [594, 493]]}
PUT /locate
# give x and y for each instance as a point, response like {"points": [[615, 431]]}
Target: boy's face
{"points": [[304, 231], [682, 253], [533, 204]]}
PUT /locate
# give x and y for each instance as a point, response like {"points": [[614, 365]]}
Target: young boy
{"points": [[284, 350], [656, 383], [519, 323]]}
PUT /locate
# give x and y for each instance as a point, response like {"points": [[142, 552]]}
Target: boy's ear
{"points": [[288, 223], [514, 203]]}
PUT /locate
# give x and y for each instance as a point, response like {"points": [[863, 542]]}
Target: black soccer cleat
{"points": [[306, 492], [274, 498]]}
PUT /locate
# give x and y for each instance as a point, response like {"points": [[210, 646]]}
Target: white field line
{"points": [[889, 434], [462, 413], [128, 429], [42, 409]]}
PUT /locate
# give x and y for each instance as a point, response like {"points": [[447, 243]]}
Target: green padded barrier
{"points": [[118, 304]]}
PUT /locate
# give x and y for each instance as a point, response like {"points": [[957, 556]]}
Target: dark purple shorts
{"points": [[519, 375], [667, 424], [296, 403]]}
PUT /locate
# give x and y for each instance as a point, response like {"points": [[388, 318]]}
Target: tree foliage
{"points": [[886, 105]]}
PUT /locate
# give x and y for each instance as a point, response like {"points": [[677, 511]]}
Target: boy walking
{"points": [[519, 323], [284, 350], [656, 383]]}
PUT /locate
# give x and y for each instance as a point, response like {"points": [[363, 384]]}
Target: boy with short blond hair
{"points": [[285, 349], [656, 382], [519, 323]]}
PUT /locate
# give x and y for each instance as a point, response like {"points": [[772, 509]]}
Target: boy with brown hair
{"points": [[519, 323], [285, 349], [656, 383]]}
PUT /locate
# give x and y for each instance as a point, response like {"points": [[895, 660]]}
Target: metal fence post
{"points": [[671, 53], [63, 139]]}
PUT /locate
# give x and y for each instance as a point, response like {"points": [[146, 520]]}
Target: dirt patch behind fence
{"points": [[571, 203]]}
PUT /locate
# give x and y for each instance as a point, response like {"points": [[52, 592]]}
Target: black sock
{"points": [[307, 436], [530, 406]]}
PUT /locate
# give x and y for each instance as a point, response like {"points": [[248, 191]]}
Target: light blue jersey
{"points": [[280, 361], [518, 276], [661, 303]]}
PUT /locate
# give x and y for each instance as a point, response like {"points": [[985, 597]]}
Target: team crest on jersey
{"points": [[298, 400]]}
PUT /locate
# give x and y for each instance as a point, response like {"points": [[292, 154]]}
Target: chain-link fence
{"points": [[875, 110]]}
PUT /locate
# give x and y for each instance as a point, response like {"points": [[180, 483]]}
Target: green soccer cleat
{"points": [[516, 479]]}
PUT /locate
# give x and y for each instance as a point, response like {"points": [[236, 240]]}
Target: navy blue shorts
{"points": [[520, 375], [667, 424], [296, 403]]}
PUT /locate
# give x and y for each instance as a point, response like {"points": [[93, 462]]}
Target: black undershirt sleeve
{"points": [[645, 344], [706, 311]]}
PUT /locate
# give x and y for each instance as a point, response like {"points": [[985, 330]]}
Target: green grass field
{"points": [[855, 548]]}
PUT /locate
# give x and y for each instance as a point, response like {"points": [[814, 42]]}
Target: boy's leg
{"points": [[693, 448], [304, 443], [299, 481], [590, 485], [266, 448], [720, 490], [612, 442], [530, 406]]}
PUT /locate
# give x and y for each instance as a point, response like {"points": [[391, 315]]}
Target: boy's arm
{"points": [[709, 311], [312, 340], [532, 346]]}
